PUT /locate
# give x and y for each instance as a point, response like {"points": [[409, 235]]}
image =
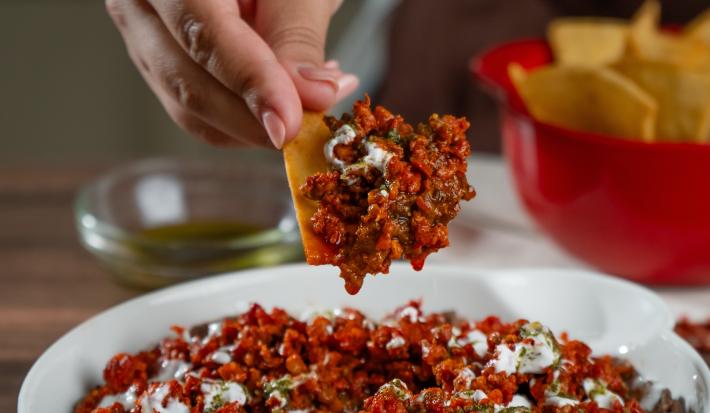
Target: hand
{"points": [[234, 71]]}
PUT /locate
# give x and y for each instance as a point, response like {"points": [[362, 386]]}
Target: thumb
{"points": [[296, 32]]}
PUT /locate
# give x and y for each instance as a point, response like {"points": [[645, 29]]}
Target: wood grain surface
{"points": [[48, 282]]}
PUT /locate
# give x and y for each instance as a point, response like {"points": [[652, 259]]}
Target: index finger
{"points": [[213, 34]]}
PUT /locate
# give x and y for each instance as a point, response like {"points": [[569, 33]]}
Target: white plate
{"points": [[612, 316]]}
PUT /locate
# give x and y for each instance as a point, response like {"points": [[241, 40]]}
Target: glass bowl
{"points": [[160, 221]]}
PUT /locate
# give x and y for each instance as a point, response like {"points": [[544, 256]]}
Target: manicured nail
{"points": [[331, 64], [347, 84], [320, 75], [275, 128]]}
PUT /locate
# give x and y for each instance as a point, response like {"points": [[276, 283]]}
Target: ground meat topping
{"points": [[697, 334], [340, 361], [392, 189]]}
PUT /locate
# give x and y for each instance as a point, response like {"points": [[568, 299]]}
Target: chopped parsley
{"points": [[394, 136]]}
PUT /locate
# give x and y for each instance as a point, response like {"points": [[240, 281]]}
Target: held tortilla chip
{"points": [[370, 188], [683, 98], [587, 40], [647, 42], [699, 27], [303, 157], [592, 99]]}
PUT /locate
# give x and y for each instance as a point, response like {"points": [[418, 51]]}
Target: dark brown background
{"points": [[431, 43]]}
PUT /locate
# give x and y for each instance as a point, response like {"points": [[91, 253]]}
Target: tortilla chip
{"points": [[699, 27], [591, 41], [517, 74], [587, 98], [704, 129], [303, 157], [648, 42], [683, 98]]}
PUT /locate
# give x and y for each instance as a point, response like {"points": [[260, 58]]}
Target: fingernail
{"points": [[274, 127], [332, 64], [347, 84], [320, 75]]}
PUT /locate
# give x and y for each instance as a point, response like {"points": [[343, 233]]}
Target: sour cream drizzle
{"points": [[478, 340], [153, 401], [466, 376], [597, 391], [516, 401], [222, 355], [397, 387], [219, 393], [375, 157], [343, 136], [172, 369], [127, 399], [528, 358], [396, 341]]}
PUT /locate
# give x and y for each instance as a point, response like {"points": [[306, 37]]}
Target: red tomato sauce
{"points": [[340, 361]]}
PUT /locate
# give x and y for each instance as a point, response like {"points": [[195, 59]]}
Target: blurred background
{"points": [[70, 93], [72, 107]]}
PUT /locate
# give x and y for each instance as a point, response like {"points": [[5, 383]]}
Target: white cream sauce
{"points": [[127, 399], [172, 369], [410, 313], [397, 386], [222, 355], [343, 136], [507, 359], [312, 313], [396, 341], [596, 390], [279, 388], [478, 340], [479, 395], [516, 401], [376, 157], [525, 357], [153, 401], [426, 347], [560, 401], [466, 376], [219, 393]]}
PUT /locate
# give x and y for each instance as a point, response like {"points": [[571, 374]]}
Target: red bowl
{"points": [[634, 209]]}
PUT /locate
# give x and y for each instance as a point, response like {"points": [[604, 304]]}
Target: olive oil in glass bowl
{"points": [[160, 221]]}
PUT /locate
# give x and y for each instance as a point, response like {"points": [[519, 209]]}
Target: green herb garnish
{"points": [[394, 136]]}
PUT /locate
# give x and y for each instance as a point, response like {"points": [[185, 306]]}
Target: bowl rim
{"points": [[264, 274], [508, 100], [87, 222]]}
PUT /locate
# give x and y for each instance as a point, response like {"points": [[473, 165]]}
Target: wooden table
{"points": [[48, 282]]}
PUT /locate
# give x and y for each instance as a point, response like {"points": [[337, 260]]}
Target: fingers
{"points": [[296, 32], [192, 97], [215, 37], [194, 125]]}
